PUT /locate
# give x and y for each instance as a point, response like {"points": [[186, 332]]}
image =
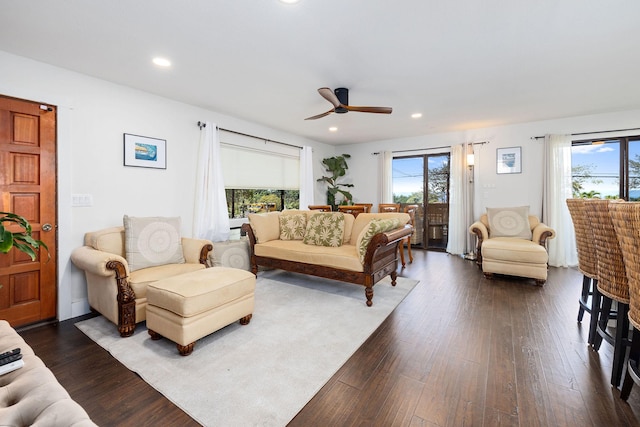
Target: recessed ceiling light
{"points": [[333, 129], [162, 62], [416, 115], [289, 1]]}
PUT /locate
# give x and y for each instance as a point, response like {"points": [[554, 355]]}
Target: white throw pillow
{"points": [[509, 222], [152, 241]]}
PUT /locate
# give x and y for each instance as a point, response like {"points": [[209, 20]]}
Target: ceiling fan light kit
{"points": [[339, 98]]}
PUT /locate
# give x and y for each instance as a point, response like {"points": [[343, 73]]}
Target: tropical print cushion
{"points": [[292, 226], [325, 229], [375, 226]]}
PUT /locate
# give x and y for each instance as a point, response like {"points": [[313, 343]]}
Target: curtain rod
{"points": [[203, 124], [429, 148], [588, 133]]}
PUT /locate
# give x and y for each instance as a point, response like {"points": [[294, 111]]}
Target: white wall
{"points": [[491, 189], [92, 116]]}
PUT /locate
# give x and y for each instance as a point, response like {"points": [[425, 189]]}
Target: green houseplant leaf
{"points": [[337, 167], [21, 240]]}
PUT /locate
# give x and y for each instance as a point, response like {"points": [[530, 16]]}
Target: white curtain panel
{"points": [[307, 186], [385, 175], [211, 217], [458, 206], [556, 190]]}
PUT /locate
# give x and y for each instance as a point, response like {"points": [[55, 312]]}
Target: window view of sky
{"points": [[408, 173], [602, 163]]}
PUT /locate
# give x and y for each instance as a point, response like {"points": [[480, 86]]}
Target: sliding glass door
{"points": [[417, 176]]}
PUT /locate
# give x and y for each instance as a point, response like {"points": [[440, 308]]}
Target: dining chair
{"points": [[321, 208], [411, 210], [612, 286], [353, 209], [388, 207], [587, 261], [626, 220]]}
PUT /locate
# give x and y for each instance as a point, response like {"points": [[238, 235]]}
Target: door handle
{"points": [[47, 227]]}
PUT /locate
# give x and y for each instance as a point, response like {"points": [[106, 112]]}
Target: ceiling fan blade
{"points": [[328, 94], [320, 115], [380, 110]]}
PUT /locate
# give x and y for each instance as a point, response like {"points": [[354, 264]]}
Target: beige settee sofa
{"points": [[269, 246], [513, 256], [32, 395], [113, 290]]}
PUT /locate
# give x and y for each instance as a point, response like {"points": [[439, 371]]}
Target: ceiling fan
{"points": [[340, 100]]}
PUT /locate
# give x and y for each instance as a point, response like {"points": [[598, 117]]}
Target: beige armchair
{"points": [[113, 290], [513, 256]]}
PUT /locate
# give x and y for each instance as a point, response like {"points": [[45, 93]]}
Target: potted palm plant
{"points": [[337, 166], [21, 240]]}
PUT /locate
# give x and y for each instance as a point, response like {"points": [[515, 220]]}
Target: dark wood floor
{"points": [[460, 350]]}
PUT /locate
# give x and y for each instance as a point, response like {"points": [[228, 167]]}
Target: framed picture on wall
{"points": [[145, 152], [509, 160]]}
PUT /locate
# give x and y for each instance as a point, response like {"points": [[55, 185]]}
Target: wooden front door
{"points": [[28, 188]]}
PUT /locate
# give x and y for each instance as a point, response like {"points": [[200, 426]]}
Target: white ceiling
{"points": [[462, 63]]}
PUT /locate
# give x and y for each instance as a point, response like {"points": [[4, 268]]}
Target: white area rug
{"points": [[302, 331]]}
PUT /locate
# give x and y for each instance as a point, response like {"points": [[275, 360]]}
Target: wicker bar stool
{"points": [[626, 220], [587, 262], [612, 286]]}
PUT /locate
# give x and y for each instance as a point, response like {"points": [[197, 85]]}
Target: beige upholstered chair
{"points": [[516, 246], [115, 291]]}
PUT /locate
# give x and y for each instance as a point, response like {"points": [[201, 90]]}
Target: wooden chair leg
{"points": [[409, 249], [401, 249]]}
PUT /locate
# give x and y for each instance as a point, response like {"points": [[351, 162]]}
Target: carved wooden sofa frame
{"points": [[381, 260]]}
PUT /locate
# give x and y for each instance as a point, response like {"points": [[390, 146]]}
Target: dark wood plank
{"points": [[460, 350]]}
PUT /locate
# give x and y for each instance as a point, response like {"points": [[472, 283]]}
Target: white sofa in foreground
{"points": [[32, 395]]}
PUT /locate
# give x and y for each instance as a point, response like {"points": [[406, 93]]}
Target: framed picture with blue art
{"points": [[145, 152], [509, 160]]}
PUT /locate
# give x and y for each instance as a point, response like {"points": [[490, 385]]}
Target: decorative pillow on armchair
{"points": [[375, 226], [509, 222], [324, 229], [292, 226], [152, 241]]}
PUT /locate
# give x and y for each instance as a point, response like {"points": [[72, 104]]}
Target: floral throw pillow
{"points": [[292, 226], [375, 226], [324, 229]]}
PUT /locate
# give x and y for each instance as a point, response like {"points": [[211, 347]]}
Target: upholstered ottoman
{"points": [[189, 306]]}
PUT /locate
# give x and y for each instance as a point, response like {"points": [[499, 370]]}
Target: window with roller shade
{"points": [[259, 177]]}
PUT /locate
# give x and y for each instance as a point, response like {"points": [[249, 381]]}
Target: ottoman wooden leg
{"points": [[154, 335], [246, 319], [185, 350]]}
